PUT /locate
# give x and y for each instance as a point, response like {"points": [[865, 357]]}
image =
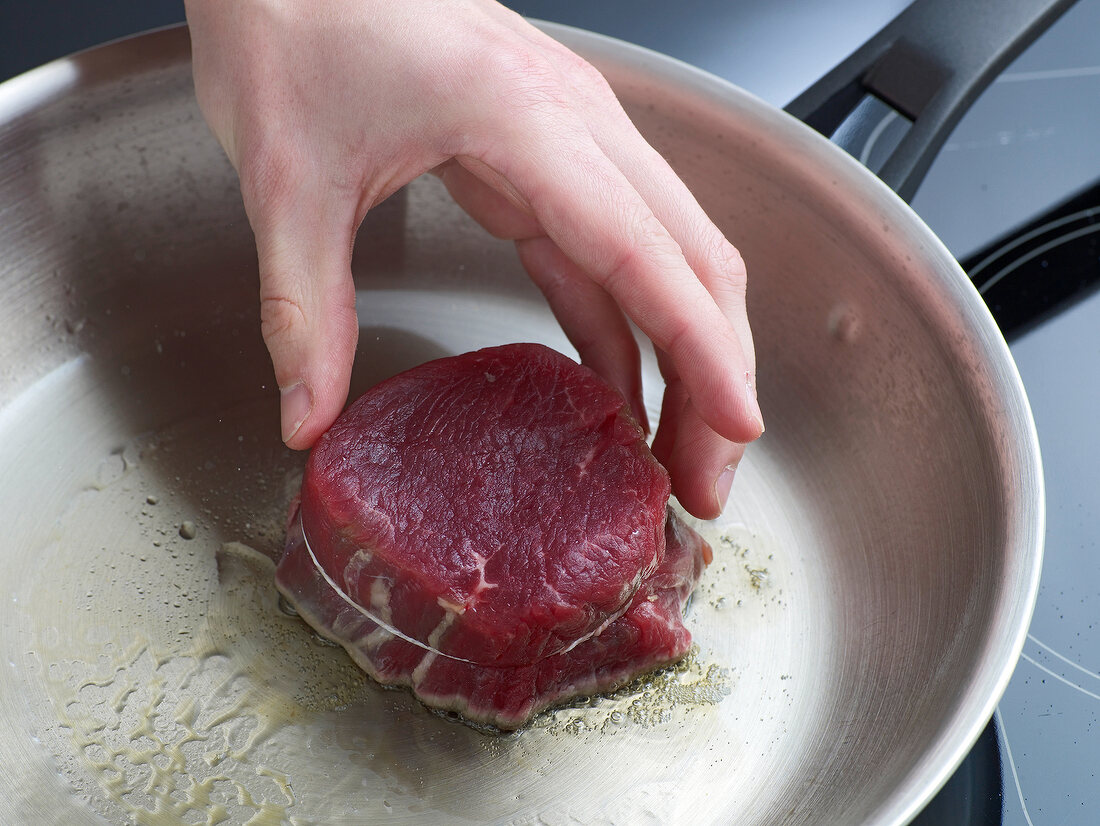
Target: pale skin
{"points": [[327, 107]]}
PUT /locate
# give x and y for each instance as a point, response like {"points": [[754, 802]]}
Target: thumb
{"points": [[307, 312]]}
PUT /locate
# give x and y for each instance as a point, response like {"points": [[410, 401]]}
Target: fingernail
{"points": [[753, 403], [295, 405], [723, 484]]}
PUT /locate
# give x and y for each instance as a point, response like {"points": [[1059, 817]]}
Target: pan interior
{"points": [[862, 569]]}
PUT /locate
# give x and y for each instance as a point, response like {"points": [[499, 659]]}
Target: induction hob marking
{"points": [[1035, 253], [1012, 765], [1049, 650], [1059, 677]]}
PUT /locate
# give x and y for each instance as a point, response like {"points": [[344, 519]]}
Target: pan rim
{"points": [[23, 95]]}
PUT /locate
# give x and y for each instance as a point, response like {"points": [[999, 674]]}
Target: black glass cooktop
{"points": [[1031, 275]]}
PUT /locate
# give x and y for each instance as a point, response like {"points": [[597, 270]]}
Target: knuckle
{"points": [[621, 268], [280, 317], [584, 75], [644, 251], [555, 284], [678, 335], [728, 261], [513, 63], [523, 79]]}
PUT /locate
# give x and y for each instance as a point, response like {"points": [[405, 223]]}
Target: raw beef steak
{"points": [[490, 530]]}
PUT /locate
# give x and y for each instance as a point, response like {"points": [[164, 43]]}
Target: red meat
{"points": [[490, 530]]}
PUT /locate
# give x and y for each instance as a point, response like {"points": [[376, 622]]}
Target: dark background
{"points": [[36, 31], [772, 47]]}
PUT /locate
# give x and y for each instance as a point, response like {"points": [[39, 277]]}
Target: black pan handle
{"points": [[929, 63]]}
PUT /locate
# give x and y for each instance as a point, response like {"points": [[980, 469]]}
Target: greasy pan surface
{"points": [[875, 569]]}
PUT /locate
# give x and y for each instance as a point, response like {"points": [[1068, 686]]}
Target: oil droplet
{"points": [[758, 577], [187, 530]]}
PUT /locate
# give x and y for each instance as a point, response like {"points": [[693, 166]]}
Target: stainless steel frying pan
{"points": [[875, 570]]}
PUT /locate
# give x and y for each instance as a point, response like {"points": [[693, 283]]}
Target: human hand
{"points": [[326, 108]]}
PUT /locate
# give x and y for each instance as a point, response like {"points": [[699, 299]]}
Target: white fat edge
{"points": [[356, 606], [367, 628], [599, 629], [359, 560], [631, 588], [421, 670], [434, 637], [377, 638], [380, 599], [449, 606], [441, 628], [482, 583]]}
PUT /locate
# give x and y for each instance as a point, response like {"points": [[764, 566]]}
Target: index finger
{"points": [[598, 219]]}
